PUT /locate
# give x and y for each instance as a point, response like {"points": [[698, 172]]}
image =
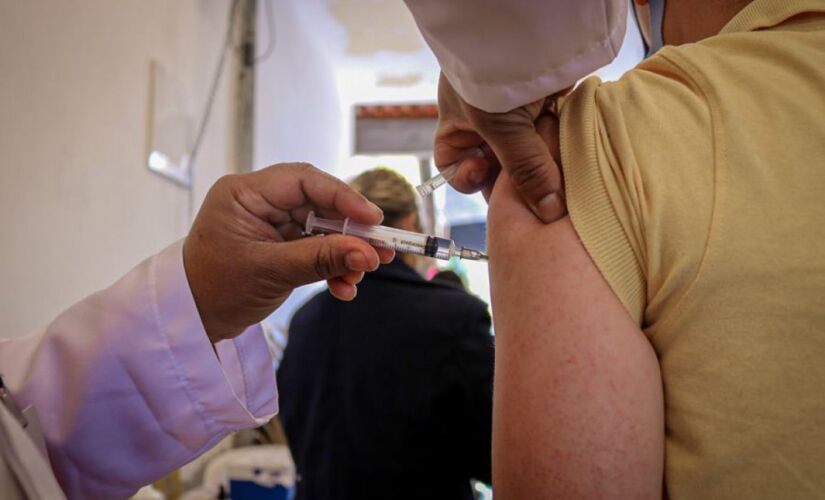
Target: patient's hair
{"points": [[389, 190]]}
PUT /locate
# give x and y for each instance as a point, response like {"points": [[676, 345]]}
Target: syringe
{"points": [[446, 175], [390, 237]]}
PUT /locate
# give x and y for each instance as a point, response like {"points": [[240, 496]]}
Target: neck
{"points": [[688, 21]]}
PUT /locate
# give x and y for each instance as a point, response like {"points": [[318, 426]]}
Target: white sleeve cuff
{"points": [[502, 55], [128, 387], [234, 392]]}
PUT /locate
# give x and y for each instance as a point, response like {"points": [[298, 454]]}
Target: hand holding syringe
{"points": [[397, 239]]}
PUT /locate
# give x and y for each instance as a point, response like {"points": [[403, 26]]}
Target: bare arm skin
{"points": [[577, 406], [577, 409]]}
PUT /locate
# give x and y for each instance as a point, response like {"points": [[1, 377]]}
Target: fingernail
{"points": [[551, 208], [476, 177], [380, 214], [388, 258], [357, 261], [374, 207]]}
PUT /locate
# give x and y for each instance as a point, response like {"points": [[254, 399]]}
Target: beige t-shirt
{"points": [[697, 184]]}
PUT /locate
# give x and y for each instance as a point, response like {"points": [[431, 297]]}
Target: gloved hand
{"points": [[244, 253], [523, 141]]}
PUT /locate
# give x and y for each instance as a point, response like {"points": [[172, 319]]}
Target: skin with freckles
{"points": [[245, 252], [578, 405]]}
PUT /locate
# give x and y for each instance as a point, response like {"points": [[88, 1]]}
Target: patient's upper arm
{"points": [[577, 407]]}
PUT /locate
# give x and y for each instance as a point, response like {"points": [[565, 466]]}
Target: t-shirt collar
{"points": [[762, 14]]}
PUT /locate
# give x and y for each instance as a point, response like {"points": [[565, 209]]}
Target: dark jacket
{"points": [[389, 396]]}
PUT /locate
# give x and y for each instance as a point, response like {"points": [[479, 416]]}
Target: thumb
{"points": [[318, 258], [524, 155], [509, 216]]}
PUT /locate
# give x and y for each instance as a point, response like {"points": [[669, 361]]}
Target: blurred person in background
{"points": [[451, 277], [390, 395]]}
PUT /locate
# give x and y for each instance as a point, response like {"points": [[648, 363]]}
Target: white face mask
{"points": [[502, 54]]}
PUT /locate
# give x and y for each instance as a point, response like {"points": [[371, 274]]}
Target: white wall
{"points": [[77, 205], [329, 55], [297, 113]]}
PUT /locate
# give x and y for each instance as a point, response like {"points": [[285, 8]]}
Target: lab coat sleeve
{"points": [[128, 387], [502, 54]]}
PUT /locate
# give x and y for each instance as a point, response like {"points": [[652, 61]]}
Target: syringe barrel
{"points": [[317, 225], [386, 237]]}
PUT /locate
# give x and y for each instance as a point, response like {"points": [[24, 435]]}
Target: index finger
{"points": [[293, 186], [523, 147], [460, 148]]}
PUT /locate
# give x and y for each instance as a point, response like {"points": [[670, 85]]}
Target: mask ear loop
{"points": [[657, 17]]}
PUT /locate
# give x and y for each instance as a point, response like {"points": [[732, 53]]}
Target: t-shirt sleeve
{"points": [[638, 159]]}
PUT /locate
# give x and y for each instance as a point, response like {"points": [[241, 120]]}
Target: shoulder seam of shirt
{"points": [[674, 58], [593, 215]]}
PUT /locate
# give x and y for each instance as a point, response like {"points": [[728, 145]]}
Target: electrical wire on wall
{"points": [[210, 101], [213, 89], [270, 27]]}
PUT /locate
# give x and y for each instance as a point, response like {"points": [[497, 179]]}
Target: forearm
{"points": [[127, 386], [577, 399]]}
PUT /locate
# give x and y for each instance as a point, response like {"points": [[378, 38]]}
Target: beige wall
{"points": [[78, 206]]}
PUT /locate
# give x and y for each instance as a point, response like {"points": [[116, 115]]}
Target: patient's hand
{"points": [[524, 142]]}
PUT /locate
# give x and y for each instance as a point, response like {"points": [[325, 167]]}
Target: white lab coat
{"points": [[502, 54], [127, 386]]}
